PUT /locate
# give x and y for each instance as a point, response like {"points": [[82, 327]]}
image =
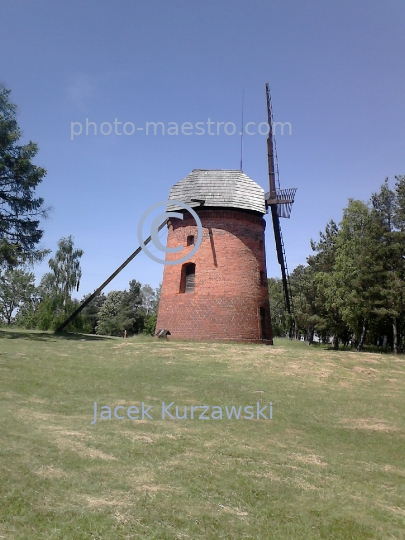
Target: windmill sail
{"points": [[280, 202]]}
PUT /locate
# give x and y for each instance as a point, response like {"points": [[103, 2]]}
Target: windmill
{"points": [[220, 291], [231, 290], [280, 202]]}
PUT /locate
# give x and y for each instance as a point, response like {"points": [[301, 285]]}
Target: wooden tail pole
{"points": [[106, 282]]}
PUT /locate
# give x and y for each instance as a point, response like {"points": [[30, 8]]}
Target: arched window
{"points": [[187, 283]]}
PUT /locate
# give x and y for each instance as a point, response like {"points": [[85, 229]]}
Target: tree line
{"points": [[47, 305], [352, 288]]}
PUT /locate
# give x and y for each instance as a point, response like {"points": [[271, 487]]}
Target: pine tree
{"points": [[278, 312], [20, 209], [304, 291], [330, 316], [352, 287], [388, 212]]}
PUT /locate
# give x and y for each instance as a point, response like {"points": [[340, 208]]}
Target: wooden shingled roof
{"points": [[219, 188]]}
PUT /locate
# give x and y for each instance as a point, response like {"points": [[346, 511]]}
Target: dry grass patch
{"points": [[51, 472], [309, 459], [234, 511], [372, 424], [81, 449], [134, 436]]}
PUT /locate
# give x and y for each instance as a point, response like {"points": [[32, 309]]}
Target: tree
{"points": [[304, 291], [363, 281], [149, 299], [399, 208], [66, 271], [17, 288], [399, 223], [330, 318], [388, 211], [109, 321], [353, 286], [278, 312], [91, 312], [20, 210], [124, 311], [56, 287], [150, 324], [131, 312]]}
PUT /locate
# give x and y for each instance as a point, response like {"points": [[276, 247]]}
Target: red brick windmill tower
{"points": [[220, 293]]}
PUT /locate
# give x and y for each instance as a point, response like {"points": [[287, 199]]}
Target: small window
{"points": [[187, 282], [263, 278], [190, 278], [190, 240]]}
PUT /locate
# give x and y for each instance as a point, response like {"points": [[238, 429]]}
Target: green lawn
{"points": [[330, 464]]}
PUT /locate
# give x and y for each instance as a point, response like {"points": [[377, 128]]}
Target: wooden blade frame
{"points": [[272, 202]]}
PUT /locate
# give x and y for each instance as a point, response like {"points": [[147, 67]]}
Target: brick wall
{"points": [[230, 279]]}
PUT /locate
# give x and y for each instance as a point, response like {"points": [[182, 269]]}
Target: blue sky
{"points": [[337, 75]]}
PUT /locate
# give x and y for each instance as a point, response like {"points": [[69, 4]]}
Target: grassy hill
{"points": [[329, 465]]}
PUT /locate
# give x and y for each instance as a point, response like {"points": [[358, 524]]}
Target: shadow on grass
{"points": [[366, 349], [48, 336], [295, 343]]}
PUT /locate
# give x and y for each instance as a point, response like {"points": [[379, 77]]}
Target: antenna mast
{"points": [[241, 132]]}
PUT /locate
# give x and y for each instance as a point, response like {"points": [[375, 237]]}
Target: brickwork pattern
{"points": [[230, 279]]}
